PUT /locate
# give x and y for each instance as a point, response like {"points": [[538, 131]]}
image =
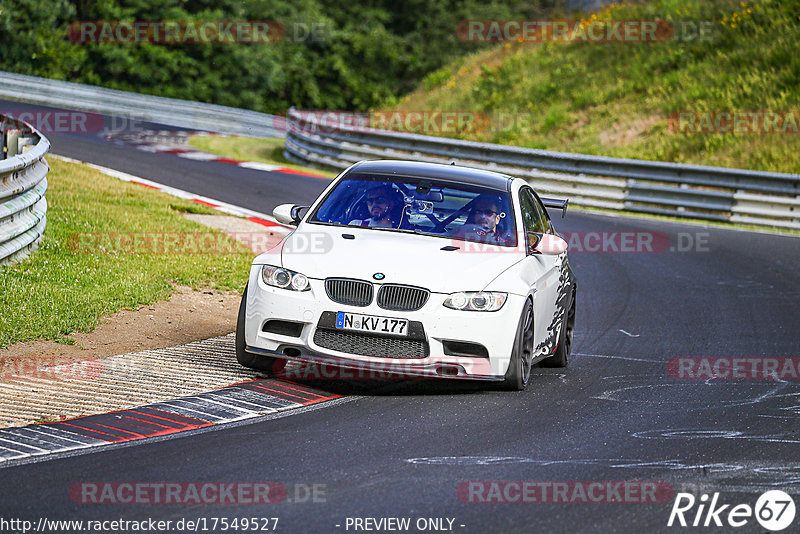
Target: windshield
{"points": [[422, 206]]}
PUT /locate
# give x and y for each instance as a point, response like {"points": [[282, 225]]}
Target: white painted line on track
{"points": [[628, 333]]}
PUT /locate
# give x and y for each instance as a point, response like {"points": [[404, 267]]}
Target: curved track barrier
{"points": [[694, 191], [169, 111], [23, 182]]}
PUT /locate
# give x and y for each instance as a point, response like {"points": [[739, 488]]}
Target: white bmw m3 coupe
{"points": [[417, 269]]}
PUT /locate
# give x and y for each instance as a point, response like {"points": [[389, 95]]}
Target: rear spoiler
{"points": [[556, 203]]}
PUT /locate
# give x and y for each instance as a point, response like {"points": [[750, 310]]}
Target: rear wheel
{"points": [[561, 356], [519, 368], [248, 359]]}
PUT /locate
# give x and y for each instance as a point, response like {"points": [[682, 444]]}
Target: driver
{"points": [[383, 207], [482, 223]]}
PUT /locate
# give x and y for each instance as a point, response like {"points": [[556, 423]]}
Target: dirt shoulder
{"points": [[188, 315]]}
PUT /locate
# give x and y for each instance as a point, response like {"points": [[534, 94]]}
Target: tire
{"points": [[248, 359], [560, 357], [518, 374]]}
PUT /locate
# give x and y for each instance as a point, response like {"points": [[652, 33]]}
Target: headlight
{"points": [[284, 278], [476, 301]]}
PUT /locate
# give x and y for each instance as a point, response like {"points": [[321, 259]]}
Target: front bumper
{"points": [[434, 325]]}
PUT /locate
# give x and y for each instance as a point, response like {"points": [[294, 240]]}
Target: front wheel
{"points": [[519, 368], [248, 359]]}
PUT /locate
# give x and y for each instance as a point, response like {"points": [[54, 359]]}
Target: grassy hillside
{"points": [[616, 98]]}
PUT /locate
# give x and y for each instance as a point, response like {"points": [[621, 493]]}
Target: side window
{"points": [[546, 224], [531, 218]]}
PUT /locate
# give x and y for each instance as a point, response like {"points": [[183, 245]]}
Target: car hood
{"points": [[320, 252]]}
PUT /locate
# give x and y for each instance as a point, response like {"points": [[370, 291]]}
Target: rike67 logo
{"points": [[774, 510]]}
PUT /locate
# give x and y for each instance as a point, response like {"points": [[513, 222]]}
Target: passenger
{"points": [[482, 223]]}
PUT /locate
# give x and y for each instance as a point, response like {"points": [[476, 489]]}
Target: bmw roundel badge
{"points": [[378, 276]]}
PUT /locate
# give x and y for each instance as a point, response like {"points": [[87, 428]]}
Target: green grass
{"points": [[251, 149], [615, 99], [70, 283]]}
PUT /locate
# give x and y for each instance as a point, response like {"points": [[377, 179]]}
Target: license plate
{"points": [[372, 323]]}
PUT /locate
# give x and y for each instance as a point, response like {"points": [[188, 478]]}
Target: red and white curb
{"points": [[254, 216], [151, 394], [184, 150], [247, 400]]}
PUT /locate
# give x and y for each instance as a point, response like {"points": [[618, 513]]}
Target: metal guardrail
{"points": [[23, 182], [693, 191], [169, 111]]}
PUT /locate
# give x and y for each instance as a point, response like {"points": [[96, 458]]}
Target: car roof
{"points": [[436, 171]]}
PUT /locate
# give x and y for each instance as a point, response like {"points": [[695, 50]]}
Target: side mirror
{"points": [[548, 244], [288, 214]]}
